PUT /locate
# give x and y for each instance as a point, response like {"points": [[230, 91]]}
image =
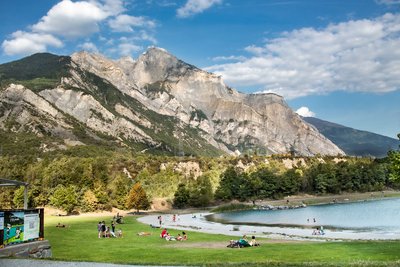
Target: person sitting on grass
{"points": [[243, 242], [253, 242], [59, 225], [107, 232], [239, 243], [179, 237], [119, 233], [164, 233], [184, 236], [111, 232]]}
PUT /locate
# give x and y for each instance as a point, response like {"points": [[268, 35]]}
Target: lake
{"points": [[374, 215]]}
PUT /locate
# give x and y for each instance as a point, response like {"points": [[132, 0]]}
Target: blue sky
{"points": [[337, 60]]}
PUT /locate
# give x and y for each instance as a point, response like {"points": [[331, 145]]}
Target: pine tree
{"points": [[137, 198]]}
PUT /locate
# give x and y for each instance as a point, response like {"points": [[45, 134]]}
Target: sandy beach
{"points": [[197, 222]]}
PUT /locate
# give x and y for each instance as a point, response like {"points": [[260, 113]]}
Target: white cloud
{"points": [[361, 55], [24, 43], [126, 49], [113, 7], [193, 7], [72, 19], [89, 46], [254, 49], [126, 23], [145, 36], [305, 112], [229, 58]]}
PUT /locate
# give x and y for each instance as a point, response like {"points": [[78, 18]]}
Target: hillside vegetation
{"points": [[100, 177], [39, 71]]}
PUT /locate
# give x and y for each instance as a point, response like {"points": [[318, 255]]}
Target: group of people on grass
{"points": [[243, 242], [165, 235], [107, 231]]}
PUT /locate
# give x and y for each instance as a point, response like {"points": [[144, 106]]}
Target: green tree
{"points": [[90, 201], [181, 197], [19, 197], [290, 182], [229, 185], [394, 168], [270, 182], [137, 198], [119, 188], [64, 198], [201, 192]]}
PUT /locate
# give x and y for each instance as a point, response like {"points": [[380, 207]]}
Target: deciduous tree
{"points": [[137, 198]]}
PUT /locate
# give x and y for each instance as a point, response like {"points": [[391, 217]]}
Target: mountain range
{"points": [[355, 142], [155, 104]]}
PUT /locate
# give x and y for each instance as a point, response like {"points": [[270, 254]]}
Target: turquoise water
{"points": [[381, 215]]}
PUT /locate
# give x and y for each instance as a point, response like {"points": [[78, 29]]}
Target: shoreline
{"points": [[329, 199], [196, 221]]}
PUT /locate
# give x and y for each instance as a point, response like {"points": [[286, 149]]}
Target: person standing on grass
{"points": [[113, 226], [99, 229], [103, 228]]}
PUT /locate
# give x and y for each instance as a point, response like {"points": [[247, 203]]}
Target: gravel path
{"points": [[48, 263]]}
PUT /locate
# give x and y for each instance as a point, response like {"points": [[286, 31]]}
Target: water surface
{"points": [[376, 215]]}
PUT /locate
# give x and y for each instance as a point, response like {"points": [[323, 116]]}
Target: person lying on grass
{"points": [[169, 237], [239, 243]]}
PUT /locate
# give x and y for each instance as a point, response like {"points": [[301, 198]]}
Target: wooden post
{"points": [[41, 228], [1, 238], [25, 197]]}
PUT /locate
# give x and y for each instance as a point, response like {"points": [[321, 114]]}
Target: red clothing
{"points": [[163, 233]]}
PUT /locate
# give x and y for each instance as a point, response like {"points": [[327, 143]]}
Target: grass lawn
{"points": [[79, 242]]}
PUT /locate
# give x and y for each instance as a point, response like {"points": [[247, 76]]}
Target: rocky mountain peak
{"points": [[160, 95]]}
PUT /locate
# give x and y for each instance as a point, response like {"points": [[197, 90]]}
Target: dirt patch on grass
{"points": [[184, 244], [224, 244]]}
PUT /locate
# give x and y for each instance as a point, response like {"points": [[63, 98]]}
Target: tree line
{"points": [[88, 178]]}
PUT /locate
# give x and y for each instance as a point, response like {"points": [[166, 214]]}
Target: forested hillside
{"points": [[87, 178]]}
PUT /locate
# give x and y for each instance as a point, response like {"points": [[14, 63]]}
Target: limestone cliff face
{"points": [[228, 119], [44, 112], [86, 109], [154, 102], [29, 112]]}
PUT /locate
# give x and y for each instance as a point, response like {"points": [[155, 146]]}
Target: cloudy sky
{"points": [[337, 60]]}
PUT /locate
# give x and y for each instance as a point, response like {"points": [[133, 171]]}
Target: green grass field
{"points": [[79, 242]]}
